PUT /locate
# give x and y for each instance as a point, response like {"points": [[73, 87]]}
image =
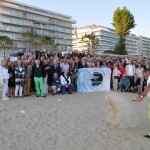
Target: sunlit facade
{"points": [[135, 45], [16, 18]]}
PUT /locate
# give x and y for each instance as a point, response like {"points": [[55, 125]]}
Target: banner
{"points": [[93, 79]]}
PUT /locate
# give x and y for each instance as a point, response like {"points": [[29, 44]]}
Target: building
{"points": [[132, 45], [107, 38], [16, 18], [144, 46], [135, 45]]}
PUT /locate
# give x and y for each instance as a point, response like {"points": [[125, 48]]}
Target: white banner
{"points": [[93, 79]]}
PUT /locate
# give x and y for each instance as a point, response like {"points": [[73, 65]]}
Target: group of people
{"points": [[43, 72]]}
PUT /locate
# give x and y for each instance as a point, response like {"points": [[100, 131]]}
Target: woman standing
{"points": [[19, 79], [139, 72], [11, 81], [46, 68], [32, 77], [116, 75], [4, 78], [73, 70]]}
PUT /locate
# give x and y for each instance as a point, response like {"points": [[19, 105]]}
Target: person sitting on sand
{"points": [[135, 84], [56, 84], [124, 83], [66, 83], [140, 97]]}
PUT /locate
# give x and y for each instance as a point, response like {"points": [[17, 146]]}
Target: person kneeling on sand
{"points": [[135, 84], [124, 83], [142, 95], [56, 84], [66, 83]]}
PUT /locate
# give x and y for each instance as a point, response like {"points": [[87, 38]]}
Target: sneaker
{"points": [[53, 94], [58, 90], [6, 99], [147, 136]]}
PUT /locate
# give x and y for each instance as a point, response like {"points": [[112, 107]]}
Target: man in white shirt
{"points": [[66, 83], [64, 66], [146, 92], [130, 69]]}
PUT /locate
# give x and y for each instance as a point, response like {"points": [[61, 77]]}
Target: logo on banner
{"points": [[93, 80]]}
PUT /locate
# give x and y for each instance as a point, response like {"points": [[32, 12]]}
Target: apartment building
{"points": [[135, 45], [17, 18], [106, 36]]}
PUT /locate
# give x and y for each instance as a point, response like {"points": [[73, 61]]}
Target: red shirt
{"points": [[122, 70]]}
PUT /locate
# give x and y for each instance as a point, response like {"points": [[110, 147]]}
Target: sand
{"points": [[87, 121]]}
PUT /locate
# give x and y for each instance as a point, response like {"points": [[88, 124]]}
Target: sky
{"points": [[99, 12]]}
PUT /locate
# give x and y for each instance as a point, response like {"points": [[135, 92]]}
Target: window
{"points": [[25, 15], [51, 20], [36, 18], [15, 21], [7, 19], [16, 13], [8, 28], [37, 24], [7, 11]]}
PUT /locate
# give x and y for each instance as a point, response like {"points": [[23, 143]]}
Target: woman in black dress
{"points": [[11, 81]]}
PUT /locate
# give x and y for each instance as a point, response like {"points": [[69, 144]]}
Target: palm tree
{"points": [[90, 41], [5, 43], [31, 39], [46, 41]]}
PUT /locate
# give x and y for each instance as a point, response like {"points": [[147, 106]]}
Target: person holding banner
{"points": [[140, 97]]}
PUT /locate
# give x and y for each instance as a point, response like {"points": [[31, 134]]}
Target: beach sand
{"points": [[82, 121]]}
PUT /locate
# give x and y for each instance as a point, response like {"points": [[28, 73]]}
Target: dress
{"points": [[11, 81]]}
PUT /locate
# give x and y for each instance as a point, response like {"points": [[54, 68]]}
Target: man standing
{"points": [[130, 70], [64, 66], [140, 98], [38, 79]]}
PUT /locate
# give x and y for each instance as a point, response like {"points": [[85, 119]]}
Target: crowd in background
{"points": [[43, 72]]}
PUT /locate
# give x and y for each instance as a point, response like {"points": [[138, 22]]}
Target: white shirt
{"points": [[131, 71], [148, 82], [4, 73], [63, 80]]}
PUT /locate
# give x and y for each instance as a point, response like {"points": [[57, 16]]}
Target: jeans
{"points": [[20, 89], [70, 89], [5, 88]]}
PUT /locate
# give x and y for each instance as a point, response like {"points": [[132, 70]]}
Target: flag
{"points": [[76, 33]]}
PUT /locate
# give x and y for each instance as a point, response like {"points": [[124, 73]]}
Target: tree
{"points": [[90, 41], [120, 48], [46, 41], [123, 22], [31, 39], [5, 43]]}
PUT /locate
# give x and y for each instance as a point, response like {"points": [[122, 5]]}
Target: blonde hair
{"points": [[11, 62]]}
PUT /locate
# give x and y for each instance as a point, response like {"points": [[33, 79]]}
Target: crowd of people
{"points": [[44, 72]]}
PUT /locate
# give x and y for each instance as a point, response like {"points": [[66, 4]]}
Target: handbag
{"points": [[23, 83], [116, 77]]}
